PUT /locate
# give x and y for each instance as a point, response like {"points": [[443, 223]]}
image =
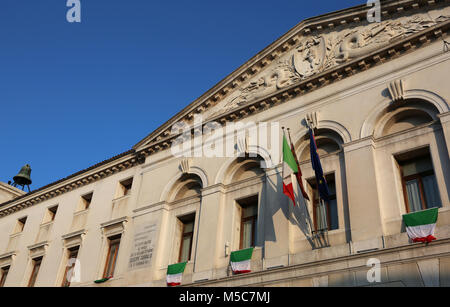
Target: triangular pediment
{"points": [[310, 53]]}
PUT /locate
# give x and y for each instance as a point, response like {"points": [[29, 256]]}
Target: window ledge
{"points": [[16, 234], [121, 197], [47, 223], [81, 212]]}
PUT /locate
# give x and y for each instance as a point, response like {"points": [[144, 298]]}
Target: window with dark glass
{"points": [[70, 267], [20, 224], [113, 250], [34, 273], [52, 213], [420, 187], [187, 235], [3, 274], [325, 215], [249, 216], [86, 201], [125, 187]]}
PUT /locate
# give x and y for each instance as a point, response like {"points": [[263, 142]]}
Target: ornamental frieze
{"points": [[315, 54]]}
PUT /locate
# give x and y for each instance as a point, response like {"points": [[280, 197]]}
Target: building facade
{"points": [[378, 96]]}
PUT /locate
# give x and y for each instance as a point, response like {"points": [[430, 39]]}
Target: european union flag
{"points": [[322, 185]]}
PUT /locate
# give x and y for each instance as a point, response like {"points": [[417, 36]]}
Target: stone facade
{"points": [[377, 94]]}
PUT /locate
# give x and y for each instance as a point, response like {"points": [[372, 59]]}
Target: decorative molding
{"points": [[38, 250], [354, 53], [355, 145], [306, 42], [73, 234], [374, 116], [127, 161], [185, 165], [73, 239], [312, 120], [7, 259], [317, 81], [120, 220], [444, 117], [397, 90], [242, 145]]}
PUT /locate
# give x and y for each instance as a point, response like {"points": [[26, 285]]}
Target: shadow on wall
{"points": [[444, 157], [298, 216]]}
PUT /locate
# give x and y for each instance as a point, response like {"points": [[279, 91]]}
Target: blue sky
{"points": [[75, 94]]}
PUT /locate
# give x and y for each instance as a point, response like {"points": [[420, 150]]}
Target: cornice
{"points": [[317, 25], [375, 58], [13, 190], [88, 176]]}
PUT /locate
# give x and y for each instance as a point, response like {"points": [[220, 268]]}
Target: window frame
{"points": [[409, 157], [111, 242], [52, 211], [86, 200], [71, 252], [418, 177], [184, 235], [126, 186], [37, 263], [316, 201], [20, 225], [252, 218], [4, 274]]}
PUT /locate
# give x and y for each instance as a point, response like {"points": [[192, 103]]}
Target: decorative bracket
{"points": [[185, 166], [242, 145], [397, 90], [312, 120]]}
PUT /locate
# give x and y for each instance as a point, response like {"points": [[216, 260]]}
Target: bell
{"points": [[23, 177]]}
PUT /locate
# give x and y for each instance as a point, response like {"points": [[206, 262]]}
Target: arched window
{"points": [[404, 116], [411, 132], [185, 199], [329, 146], [188, 185], [244, 180]]}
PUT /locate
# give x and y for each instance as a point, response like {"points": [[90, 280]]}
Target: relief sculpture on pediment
{"points": [[274, 79], [318, 53], [359, 42], [309, 56]]}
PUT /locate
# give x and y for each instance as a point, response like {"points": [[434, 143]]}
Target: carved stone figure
{"points": [[309, 56], [315, 54]]}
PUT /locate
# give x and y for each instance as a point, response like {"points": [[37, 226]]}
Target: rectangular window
{"points": [[70, 267], [249, 215], [113, 250], [34, 273], [124, 187], [187, 237], [3, 274], [420, 187], [52, 213], [86, 201], [325, 215], [20, 225]]}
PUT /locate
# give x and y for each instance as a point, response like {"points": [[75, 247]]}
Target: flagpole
{"points": [[322, 207], [298, 192]]}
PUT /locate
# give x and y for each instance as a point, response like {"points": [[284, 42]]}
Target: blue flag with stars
{"points": [[322, 185]]}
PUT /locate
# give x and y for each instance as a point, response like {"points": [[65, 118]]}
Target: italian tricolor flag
{"points": [[175, 273], [289, 169], [240, 261], [420, 225]]}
